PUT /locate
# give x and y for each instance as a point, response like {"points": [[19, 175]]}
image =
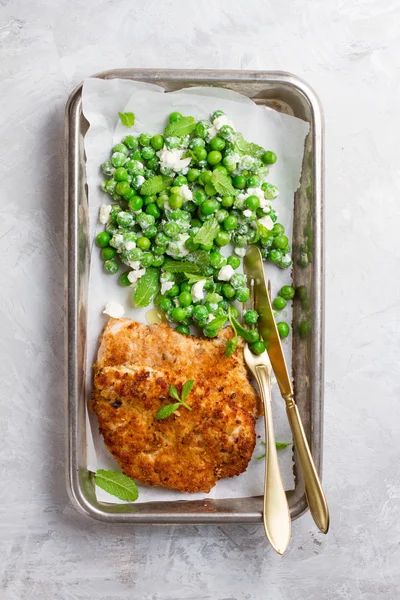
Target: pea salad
{"points": [[178, 198]]}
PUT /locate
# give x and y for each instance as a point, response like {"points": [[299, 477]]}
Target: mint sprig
{"points": [[168, 409], [279, 446], [117, 484]]}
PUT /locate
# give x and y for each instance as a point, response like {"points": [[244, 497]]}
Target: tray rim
{"points": [[73, 110]]}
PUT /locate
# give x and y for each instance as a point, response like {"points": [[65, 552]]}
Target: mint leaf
{"points": [[195, 263], [155, 185], [117, 484], [147, 287], [260, 457], [222, 183], [186, 389], [127, 119], [247, 148], [191, 278], [167, 410], [240, 330], [173, 392], [216, 323], [183, 126], [282, 445], [207, 232]]}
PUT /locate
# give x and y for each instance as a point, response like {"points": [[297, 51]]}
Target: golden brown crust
{"points": [[190, 450], [126, 342]]}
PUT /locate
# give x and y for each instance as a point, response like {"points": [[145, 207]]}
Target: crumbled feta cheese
{"points": [[211, 133], [117, 242], [257, 191], [177, 248], [240, 251], [247, 213], [186, 192], [221, 121], [140, 180], [210, 318], [134, 276], [198, 290], [104, 213], [241, 196], [286, 259], [134, 264], [225, 274], [166, 286], [167, 282], [214, 306], [114, 310], [130, 246], [267, 222], [172, 159]]}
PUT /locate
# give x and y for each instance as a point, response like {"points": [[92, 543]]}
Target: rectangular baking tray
{"points": [[283, 92]]}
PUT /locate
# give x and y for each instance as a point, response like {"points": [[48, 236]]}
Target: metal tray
{"points": [[285, 93]]}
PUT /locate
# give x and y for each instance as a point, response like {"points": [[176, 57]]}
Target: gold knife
{"points": [[254, 269]]}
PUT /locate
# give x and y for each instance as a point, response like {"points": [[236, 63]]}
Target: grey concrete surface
{"points": [[350, 53]]}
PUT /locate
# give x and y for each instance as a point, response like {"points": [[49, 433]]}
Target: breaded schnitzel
{"points": [[126, 342], [188, 451]]}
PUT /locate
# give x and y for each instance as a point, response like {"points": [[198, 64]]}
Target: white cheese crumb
{"points": [[140, 180], [247, 213], [104, 213], [134, 264], [130, 246], [134, 276], [166, 286], [211, 133], [198, 290], [226, 273], [172, 159], [267, 222], [210, 318], [286, 259], [114, 310], [240, 251], [186, 193], [221, 121], [177, 248]]}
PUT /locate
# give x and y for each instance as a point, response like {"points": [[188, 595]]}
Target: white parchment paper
{"points": [[285, 135]]}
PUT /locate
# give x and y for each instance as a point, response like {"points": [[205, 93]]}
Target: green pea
{"points": [[143, 243], [210, 332], [107, 253], [252, 202], [180, 180], [278, 229], [123, 279], [178, 314], [200, 312], [227, 132], [242, 294], [184, 329], [145, 140], [103, 239], [269, 158], [111, 266], [251, 317], [221, 215], [221, 169], [148, 152], [147, 259], [228, 291], [136, 155], [217, 260], [210, 189], [222, 238], [118, 159], [279, 303], [124, 219], [123, 188], [153, 210], [173, 292], [209, 207], [191, 245], [239, 182], [281, 241], [230, 223], [227, 201], [275, 256], [157, 142], [253, 181], [193, 175], [205, 177], [287, 292], [130, 142], [121, 174], [107, 168], [158, 261], [166, 304], [258, 347], [175, 201], [185, 298], [199, 196], [120, 148], [174, 116], [159, 250], [217, 143], [206, 247], [234, 261], [283, 329], [252, 336], [200, 153]]}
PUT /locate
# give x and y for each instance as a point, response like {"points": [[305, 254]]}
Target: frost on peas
{"points": [[109, 186], [107, 168], [195, 142], [118, 159], [137, 181], [135, 167], [145, 221], [216, 114], [202, 128], [117, 242], [239, 202], [167, 171], [270, 191], [177, 249], [246, 163]]}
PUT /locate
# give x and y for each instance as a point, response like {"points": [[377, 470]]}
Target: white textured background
{"points": [[350, 52]]}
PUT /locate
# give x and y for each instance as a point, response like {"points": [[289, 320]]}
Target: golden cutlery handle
{"points": [[314, 493], [276, 514]]}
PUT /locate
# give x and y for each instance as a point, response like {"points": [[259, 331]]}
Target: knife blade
{"points": [[253, 267]]}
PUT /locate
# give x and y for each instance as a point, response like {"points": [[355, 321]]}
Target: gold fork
{"points": [[276, 514]]}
